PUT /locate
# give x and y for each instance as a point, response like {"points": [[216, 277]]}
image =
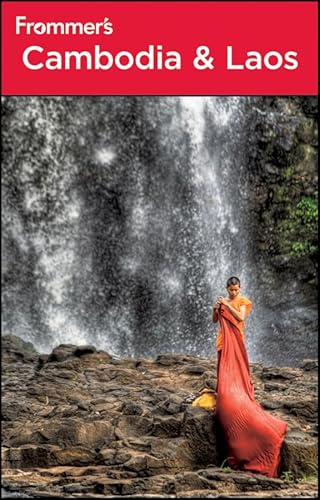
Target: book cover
{"points": [[151, 150]]}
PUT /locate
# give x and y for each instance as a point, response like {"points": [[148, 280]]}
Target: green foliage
{"points": [[303, 248], [288, 172], [313, 476], [226, 468], [299, 229], [287, 475], [5, 372], [305, 478], [313, 467], [305, 218], [307, 210]]}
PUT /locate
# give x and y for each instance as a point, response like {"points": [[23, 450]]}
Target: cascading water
{"points": [[123, 218]]}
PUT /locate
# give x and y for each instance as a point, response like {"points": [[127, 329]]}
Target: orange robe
{"points": [[236, 303], [253, 436]]}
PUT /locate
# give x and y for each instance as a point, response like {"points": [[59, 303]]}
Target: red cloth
{"points": [[254, 437]]}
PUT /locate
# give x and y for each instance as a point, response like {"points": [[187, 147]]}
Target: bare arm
{"points": [[215, 312]]}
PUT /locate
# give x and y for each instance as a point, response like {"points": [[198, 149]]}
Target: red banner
{"points": [[140, 48]]}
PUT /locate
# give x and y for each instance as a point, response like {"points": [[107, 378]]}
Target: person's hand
{"points": [[222, 300], [216, 305]]}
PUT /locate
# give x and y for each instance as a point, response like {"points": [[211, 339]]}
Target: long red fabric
{"points": [[253, 436]]}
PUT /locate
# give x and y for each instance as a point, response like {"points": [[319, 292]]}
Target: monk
{"points": [[238, 305], [253, 436]]}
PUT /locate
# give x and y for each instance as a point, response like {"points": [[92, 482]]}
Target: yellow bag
{"points": [[206, 399]]}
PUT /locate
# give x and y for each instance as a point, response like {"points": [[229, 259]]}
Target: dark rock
{"points": [[198, 427], [299, 453], [131, 408], [168, 359], [271, 405], [42, 360], [62, 352], [309, 364], [29, 456], [74, 488], [282, 171], [307, 408], [273, 386], [75, 456], [84, 349], [83, 425], [167, 426], [15, 349], [12, 342], [12, 410], [197, 370], [170, 406], [309, 106], [134, 425], [65, 351], [278, 373]]}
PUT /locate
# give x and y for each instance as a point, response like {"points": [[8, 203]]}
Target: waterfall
{"points": [[123, 219]]}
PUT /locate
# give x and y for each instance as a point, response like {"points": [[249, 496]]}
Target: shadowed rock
{"points": [[65, 351]]}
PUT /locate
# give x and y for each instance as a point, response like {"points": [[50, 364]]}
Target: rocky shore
{"points": [[80, 422]]}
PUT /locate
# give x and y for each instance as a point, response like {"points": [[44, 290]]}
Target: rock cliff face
{"points": [[283, 173], [282, 176], [81, 422]]}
